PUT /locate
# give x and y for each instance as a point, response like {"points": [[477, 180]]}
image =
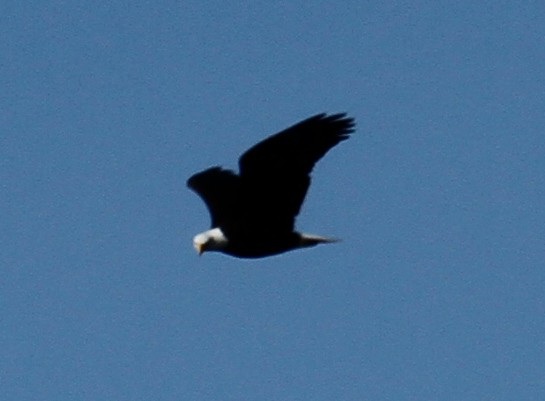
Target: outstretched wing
{"points": [[218, 188], [275, 173]]}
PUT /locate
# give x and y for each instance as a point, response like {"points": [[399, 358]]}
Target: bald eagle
{"points": [[253, 213]]}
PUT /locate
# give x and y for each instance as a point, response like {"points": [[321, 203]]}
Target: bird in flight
{"points": [[253, 213]]}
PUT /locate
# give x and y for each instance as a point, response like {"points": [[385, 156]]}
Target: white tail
{"points": [[311, 240]]}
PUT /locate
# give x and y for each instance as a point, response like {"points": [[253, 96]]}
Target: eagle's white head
{"points": [[211, 240]]}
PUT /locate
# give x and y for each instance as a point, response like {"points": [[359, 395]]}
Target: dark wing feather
{"points": [[218, 188], [275, 173]]}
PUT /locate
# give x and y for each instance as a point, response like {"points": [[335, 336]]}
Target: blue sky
{"points": [[436, 291]]}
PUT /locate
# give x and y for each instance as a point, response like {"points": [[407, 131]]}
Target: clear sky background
{"points": [[437, 290]]}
